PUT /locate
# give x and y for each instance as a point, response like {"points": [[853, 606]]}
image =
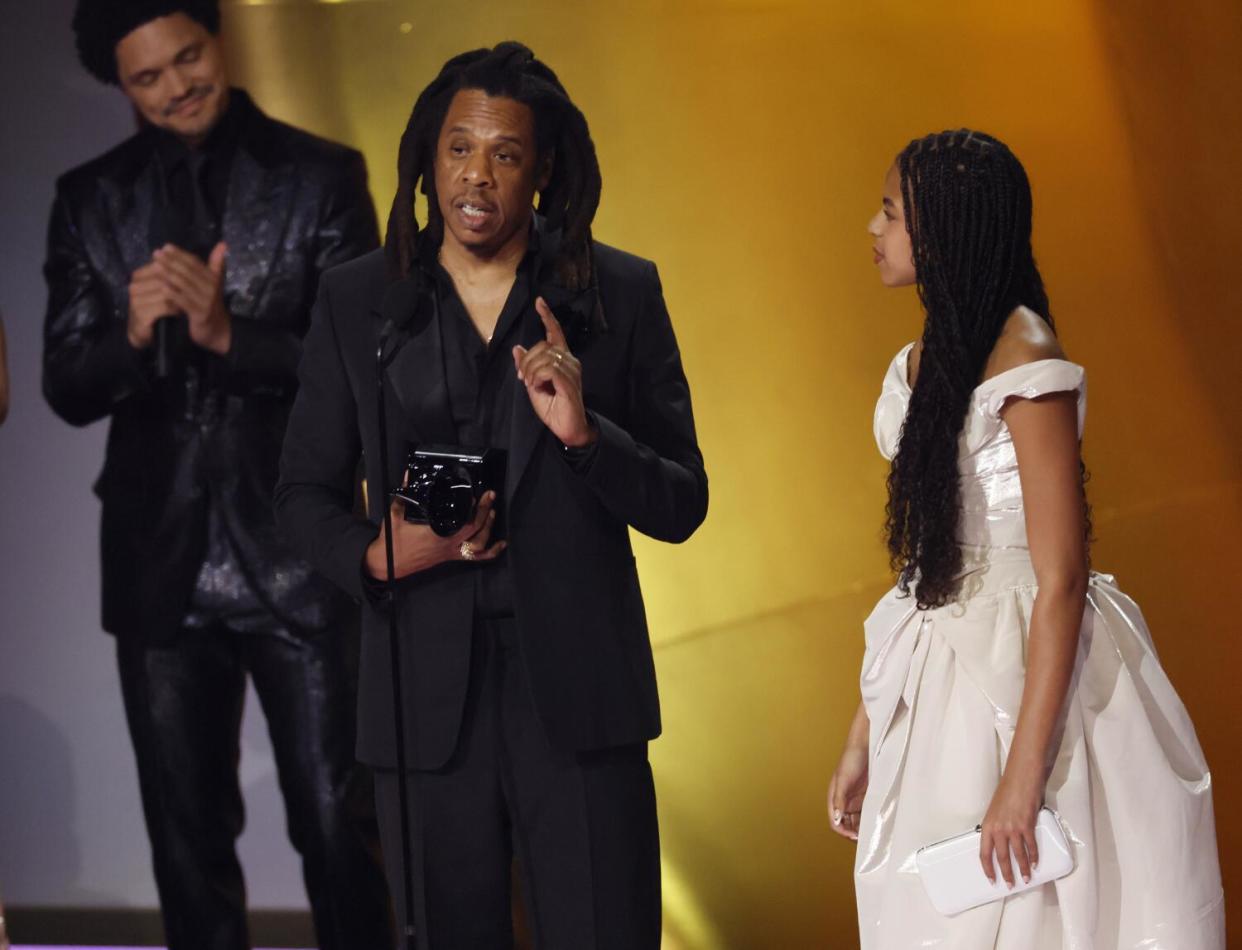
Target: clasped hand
{"points": [[553, 379], [176, 281]]}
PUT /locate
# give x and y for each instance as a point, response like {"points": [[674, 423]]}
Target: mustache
{"points": [[194, 92]]}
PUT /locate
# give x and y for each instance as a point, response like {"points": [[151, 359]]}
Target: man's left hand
{"points": [[553, 379], [198, 291]]}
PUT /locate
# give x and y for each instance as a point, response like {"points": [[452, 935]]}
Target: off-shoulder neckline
{"points": [[903, 356]]}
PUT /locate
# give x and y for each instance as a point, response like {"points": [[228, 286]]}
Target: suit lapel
{"points": [[256, 216], [525, 427], [414, 375], [132, 207]]}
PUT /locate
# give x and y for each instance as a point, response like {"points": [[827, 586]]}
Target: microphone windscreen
{"points": [[399, 309], [400, 304]]}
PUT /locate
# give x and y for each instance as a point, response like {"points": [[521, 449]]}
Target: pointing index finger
{"points": [[552, 326]]}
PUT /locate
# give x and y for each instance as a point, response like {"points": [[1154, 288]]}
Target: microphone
{"points": [[171, 334], [192, 231], [399, 310]]}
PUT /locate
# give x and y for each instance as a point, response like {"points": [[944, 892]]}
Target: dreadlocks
{"points": [[572, 194], [968, 213]]}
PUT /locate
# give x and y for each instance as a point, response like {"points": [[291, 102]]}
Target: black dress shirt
{"points": [[481, 381], [195, 191], [196, 181]]}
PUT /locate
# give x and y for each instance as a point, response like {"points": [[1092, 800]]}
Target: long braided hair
{"points": [[569, 200], [968, 212]]}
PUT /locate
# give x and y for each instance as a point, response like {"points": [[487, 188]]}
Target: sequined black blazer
{"points": [[296, 204]]}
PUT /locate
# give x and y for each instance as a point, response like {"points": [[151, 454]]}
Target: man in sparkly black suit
{"points": [[181, 267]]}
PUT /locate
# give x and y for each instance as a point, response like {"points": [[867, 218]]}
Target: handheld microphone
{"points": [[171, 334], [171, 224]]}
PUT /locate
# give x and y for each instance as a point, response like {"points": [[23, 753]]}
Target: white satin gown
{"points": [[942, 689]]}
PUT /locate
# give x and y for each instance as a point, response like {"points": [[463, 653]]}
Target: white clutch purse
{"points": [[954, 878]]}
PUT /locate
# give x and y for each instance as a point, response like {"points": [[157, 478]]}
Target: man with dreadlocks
{"points": [[530, 690], [181, 267], [1001, 674]]}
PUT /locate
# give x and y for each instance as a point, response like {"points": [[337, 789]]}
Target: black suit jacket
{"points": [[578, 606], [295, 205]]}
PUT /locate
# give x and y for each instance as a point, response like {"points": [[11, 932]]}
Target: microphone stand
{"points": [[394, 643]]}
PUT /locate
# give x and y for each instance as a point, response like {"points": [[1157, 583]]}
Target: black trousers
{"points": [[583, 827], [184, 706]]}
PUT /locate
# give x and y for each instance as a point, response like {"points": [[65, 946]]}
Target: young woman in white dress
{"points": [[1001, 674]]}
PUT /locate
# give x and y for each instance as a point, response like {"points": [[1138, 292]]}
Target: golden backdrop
{"points": [[743, 145]]}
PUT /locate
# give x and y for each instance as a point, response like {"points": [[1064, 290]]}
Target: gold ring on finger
{"points": [[467, 552]]}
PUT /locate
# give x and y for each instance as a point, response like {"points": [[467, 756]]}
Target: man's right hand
{"points": [[149, 299], [415, 547]]}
